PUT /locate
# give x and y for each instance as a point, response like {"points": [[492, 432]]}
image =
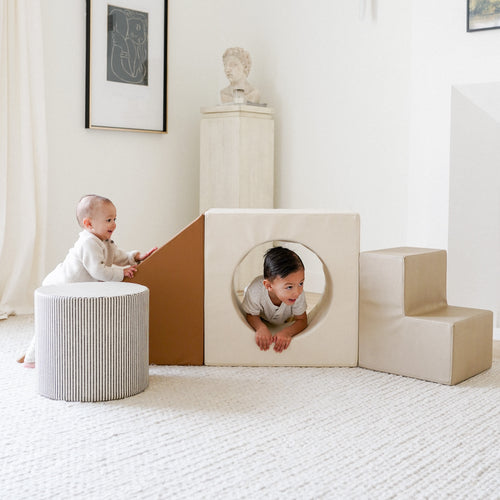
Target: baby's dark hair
{"points": [[280, 262]]}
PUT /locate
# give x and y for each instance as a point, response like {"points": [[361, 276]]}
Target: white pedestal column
{"points": [[236, 157]]}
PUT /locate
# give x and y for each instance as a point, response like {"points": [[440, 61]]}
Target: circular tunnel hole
{"points": [[316, 283]]}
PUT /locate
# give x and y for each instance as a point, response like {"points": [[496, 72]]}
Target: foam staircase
{"points": [[406, 326]]}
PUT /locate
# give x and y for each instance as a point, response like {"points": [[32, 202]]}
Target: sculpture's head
{"points": [[237, 63]]}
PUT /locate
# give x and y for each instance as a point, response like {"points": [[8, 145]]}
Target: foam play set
{"points": [[384, 310]]}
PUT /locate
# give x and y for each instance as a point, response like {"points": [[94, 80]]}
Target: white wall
{"points": [[339, 86], [362, 113], [152, 178], [443, 54]]}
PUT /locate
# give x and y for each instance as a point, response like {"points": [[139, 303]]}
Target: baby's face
{"points": [[104, 221], [287, 289]]}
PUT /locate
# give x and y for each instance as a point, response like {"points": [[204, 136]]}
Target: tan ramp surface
{"points": [[174, 276]]}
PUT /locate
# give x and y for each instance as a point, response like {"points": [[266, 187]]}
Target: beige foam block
{"points": [[437, 342], [424, 280], [416, 278], [331, 338]]}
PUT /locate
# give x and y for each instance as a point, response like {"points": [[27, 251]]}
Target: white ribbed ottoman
{"points": [[92, 340]]}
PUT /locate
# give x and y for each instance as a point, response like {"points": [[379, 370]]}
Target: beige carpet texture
{"points": [[207, 432]]}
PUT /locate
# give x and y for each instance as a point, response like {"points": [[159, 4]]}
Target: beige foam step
{"points": [[406, 326]]}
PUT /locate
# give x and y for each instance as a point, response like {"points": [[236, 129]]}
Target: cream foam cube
{"points": [[331, 338]]}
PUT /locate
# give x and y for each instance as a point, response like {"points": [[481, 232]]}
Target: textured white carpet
{"points": [[250, 433]]}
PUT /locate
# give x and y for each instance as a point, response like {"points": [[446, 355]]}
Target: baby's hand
{"points": [[263, 338], [282, 341], [139, 257], [128, 272]]}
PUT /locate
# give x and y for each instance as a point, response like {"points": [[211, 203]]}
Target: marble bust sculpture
{"points": [[237, 64]]}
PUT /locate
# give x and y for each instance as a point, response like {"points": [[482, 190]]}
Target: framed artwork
{"points": [[483, 15], [126, 65]]}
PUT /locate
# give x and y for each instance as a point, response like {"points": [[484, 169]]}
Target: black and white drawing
{"points": [[127, 46]]}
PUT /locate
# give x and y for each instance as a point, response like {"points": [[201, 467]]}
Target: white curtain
{"points": [[23, 155]]}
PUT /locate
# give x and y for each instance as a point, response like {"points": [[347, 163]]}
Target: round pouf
{"points": [[92, 340]]}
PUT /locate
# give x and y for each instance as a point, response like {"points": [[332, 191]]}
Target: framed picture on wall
{"points": [[483, 15], [126, 65]]}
